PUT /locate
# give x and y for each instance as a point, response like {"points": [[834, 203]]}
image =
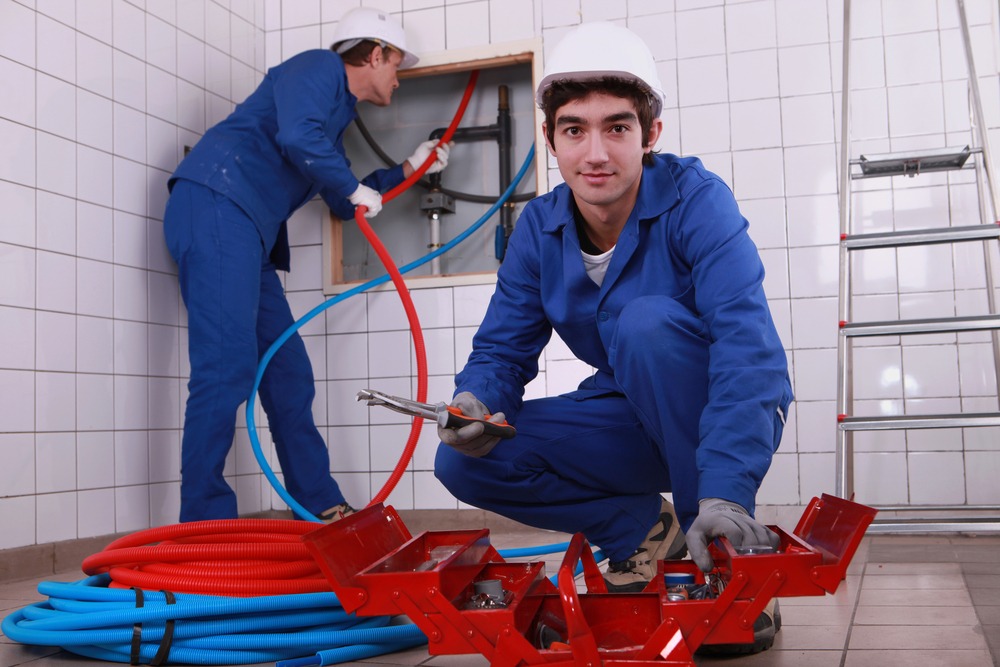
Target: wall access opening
{"points": [[492, 142]]}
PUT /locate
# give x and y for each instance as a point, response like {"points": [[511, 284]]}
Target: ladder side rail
{"points": [[988, 269], [982, 133], [977, 110], [844, 485]]}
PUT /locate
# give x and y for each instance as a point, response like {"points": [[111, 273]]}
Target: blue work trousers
{"points": [[595, 462], [236, 308]]}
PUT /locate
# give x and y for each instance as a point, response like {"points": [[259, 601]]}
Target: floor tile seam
{"points": [[995, 654], [854, 613], [921, 589], [971, 604]]}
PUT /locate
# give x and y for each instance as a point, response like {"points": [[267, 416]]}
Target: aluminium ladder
{"points": [[961, 518]]}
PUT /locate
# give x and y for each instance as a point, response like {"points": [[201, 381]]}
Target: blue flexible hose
{"points": [[524, 552], [258, 452], [91, 620], [334, 656]]}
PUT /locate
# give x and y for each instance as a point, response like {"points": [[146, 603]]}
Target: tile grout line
{"points": [[975, 608], [854, 612]]}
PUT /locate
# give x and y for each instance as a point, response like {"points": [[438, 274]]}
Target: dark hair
{"points": [[564, 91], [359, 54]]}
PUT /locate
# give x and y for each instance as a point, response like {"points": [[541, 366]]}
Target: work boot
{"points": [[337, 512], [764, 629], [664, 541]]}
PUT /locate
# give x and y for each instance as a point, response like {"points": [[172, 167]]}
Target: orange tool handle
{"points": [[455, 418]]}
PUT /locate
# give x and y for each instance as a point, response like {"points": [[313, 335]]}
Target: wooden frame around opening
{"points": [[446, 62]]}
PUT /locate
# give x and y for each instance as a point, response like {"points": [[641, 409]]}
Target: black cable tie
{"points": [[168, 636], [136, 629]]}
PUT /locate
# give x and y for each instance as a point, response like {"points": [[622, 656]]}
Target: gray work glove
{"points": [[471, 440], [718, 517]]}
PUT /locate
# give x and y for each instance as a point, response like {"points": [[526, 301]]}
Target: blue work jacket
{"points": [[284, 145], [684, 239]]}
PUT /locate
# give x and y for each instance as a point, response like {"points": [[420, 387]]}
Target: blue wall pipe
{"points": [[258, 452]]}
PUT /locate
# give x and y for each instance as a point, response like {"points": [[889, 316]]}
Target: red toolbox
{"points": [[457, 588]]}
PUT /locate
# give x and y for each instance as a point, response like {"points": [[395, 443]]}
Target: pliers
{"points": [[446, 416]]}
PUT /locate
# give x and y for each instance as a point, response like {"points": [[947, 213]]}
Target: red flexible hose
{"points": [[239, 587], [232, 557], [199, 531], [404, 294]]}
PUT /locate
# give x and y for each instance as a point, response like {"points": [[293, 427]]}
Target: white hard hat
{"points": [[599, 49], [368, 23]]}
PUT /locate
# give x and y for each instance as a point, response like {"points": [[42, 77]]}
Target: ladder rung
{"points": [[914, 526], [922, 237], [968, 420], [912, 163], [925, 326]]}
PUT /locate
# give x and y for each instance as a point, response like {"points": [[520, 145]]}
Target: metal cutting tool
{"points": [[446, 416]]}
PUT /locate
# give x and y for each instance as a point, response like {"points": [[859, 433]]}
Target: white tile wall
{"points": [[94, 409], [702, 80], [756, 124], [753, 74], [93, 351], [20, 210], [77, 249], [758, 28]]}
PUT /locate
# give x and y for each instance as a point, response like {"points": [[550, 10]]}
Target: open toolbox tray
{"points": [[462, 594]]}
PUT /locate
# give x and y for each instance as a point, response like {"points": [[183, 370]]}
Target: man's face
{"points": [[384, 79], [598, 145]]}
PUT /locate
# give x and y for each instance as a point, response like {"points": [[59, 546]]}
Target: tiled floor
{"points": [[906, 601]]}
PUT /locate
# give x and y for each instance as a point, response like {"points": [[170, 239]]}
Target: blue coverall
{"points": [[691, 383], [225, 227]]}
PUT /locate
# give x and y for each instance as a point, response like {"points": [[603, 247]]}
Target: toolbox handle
{"points": [[578, 634]]}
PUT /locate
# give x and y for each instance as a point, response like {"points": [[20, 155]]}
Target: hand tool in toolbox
{"points": [[466, 599], [446, 416]]}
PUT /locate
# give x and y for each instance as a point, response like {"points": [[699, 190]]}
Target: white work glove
{"points": [[718, 517], [365, 196], [424, 150], [471, 440]]}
